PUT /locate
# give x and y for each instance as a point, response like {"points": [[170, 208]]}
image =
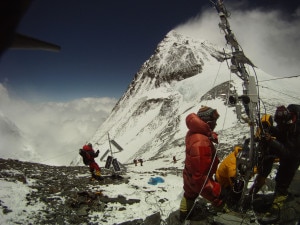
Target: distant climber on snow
{"points": [[201, 161], [174, 159], [141, 161], [88, 154]]}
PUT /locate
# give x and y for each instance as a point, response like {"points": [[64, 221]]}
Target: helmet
{"points": [[282, 115], [89, 144]]}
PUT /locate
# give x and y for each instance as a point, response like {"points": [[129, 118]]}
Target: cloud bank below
{"points": [[50, 132]]}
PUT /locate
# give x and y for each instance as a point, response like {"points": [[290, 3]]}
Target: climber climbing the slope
{"points": [[88, 154]]}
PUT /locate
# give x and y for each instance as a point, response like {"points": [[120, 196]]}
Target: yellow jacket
{"points": [[227, 168]]}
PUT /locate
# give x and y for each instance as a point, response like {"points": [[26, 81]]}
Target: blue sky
{"points": [[104, 43]]}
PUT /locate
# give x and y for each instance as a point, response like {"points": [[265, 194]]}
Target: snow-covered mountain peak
{"points": [[151, 113], [182, 74], [176, 58]]}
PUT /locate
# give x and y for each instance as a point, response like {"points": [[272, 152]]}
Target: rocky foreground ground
{"points": [[68, 192]]}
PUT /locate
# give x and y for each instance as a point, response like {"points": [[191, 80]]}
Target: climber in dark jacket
{"points": [[267, 155], [287, 147]]}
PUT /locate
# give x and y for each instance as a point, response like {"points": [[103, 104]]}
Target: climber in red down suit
{"points": [[89, 159], [201, 161]]}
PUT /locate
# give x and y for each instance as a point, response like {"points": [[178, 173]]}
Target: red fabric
{"points": [[199, 158], [94, 166], [87, 148]]}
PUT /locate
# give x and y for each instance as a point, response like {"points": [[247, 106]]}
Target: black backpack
{"points": [[295, 109], [85, 156]]}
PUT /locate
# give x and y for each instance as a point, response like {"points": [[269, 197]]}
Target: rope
{"points": [[280, 78], [279, 92], [216, 78]]}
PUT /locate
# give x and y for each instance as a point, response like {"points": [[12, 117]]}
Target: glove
{"points": [[97, 152], [214, 137]]}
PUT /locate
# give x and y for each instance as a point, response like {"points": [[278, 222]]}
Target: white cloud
{"points": [[269, 39], [54, 131]]}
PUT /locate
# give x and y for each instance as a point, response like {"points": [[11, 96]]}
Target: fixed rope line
{"points": [[280, 92], [217, 148], [215, 80], [258, 97], [217, 74], [279, 78]]}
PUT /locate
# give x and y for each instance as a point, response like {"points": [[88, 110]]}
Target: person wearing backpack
{"points": [[89, 155], [287, 147]]}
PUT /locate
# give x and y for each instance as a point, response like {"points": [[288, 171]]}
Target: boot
{"points": [[273, 214], [279, 201], [185, 207], [97, 175], [258, 183]]}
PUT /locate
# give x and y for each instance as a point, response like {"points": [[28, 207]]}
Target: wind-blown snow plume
{"points": [[269, 37]]}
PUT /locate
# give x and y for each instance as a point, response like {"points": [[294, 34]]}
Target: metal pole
{"points": [[109, 145]]}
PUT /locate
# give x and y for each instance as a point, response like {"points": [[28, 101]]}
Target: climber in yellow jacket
{"points": [[226, 172]]}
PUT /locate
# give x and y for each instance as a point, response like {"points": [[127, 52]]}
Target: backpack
{"points": [[295, 109], [85, 156]]}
